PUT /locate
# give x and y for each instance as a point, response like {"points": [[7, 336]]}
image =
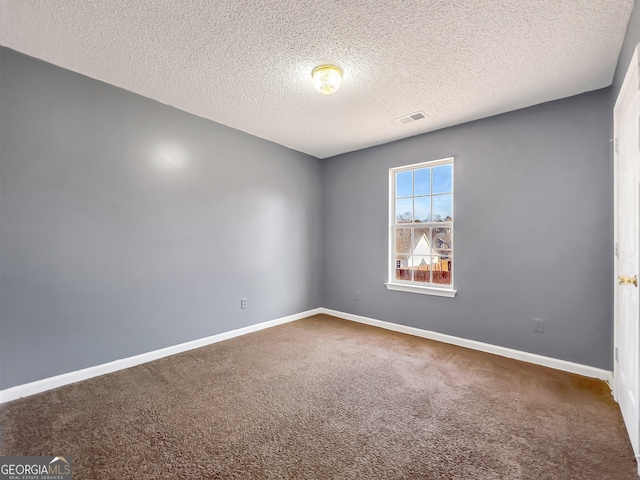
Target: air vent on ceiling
{"points": [[412, 117]]}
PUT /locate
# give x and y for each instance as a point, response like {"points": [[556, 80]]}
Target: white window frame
{"points": [[412, 286]]}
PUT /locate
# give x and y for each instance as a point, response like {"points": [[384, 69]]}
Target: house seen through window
{"points": [[421, 236]]}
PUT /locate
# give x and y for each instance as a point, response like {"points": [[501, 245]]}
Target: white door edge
{"points": [[633, 66], [630, 86]]}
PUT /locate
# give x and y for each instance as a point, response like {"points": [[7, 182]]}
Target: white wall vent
{"points": [[412, 117]]}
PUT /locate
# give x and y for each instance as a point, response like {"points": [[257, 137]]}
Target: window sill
{"points": [[440, 292]]}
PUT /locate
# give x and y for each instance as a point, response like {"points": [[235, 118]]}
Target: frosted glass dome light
{"points": [[327, 79]]}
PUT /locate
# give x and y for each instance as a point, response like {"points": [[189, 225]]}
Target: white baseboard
{"points": [[50, 383], [571, 367], [45, 384]]}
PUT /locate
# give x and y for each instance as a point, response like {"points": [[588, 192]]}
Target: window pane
{"points": [[443, 179], [403, 240], [442, 269], [423, 209], [421, 259], [404, 210], [404, 187], [441, 239], [421, 265], [402, 270], [421, 242], [422, 181], [442, 208]]}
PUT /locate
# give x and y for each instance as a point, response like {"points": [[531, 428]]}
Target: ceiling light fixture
{"points": [[327, 79]]}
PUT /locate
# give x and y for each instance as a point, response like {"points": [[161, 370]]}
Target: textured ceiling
{"points": [[247, 64]]}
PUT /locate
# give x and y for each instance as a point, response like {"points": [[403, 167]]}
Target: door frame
{"points": [[627, 83]]}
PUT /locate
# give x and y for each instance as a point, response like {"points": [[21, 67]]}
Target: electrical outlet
{"points": [[243, 303], [538, 325], [356, 295]]}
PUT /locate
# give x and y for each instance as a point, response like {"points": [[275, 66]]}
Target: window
{"points": [[421, 228]]}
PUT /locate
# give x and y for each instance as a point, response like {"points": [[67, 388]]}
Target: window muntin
{"points": [[421, 231]]}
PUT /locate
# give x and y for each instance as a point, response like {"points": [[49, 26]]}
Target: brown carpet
{"points": [[323, 398]]}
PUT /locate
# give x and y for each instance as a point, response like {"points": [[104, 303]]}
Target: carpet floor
{"points": [[324, 398]]}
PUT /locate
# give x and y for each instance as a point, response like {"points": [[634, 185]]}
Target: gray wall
{"points": [[107, 252], [532, 231]]}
